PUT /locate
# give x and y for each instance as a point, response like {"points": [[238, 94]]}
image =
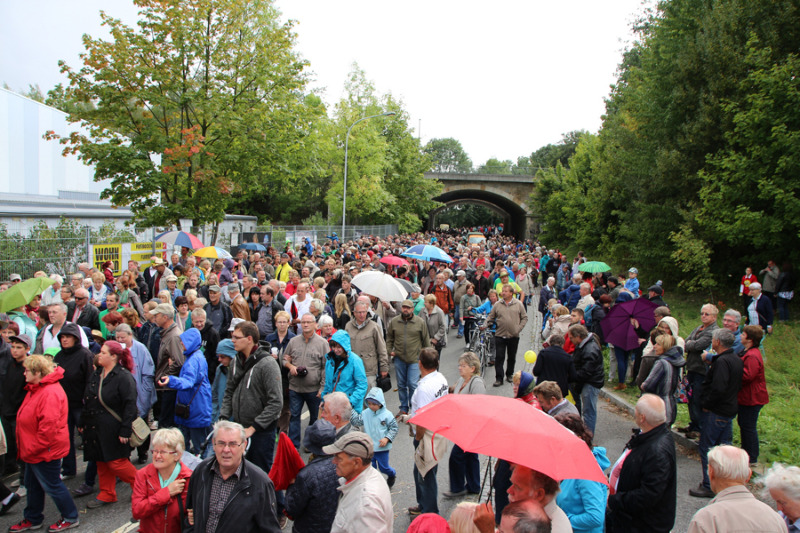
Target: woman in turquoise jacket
{"points": [[344, 371], [584, 501]]}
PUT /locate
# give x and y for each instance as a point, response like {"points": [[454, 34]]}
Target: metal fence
{"points": [[59, 250]]}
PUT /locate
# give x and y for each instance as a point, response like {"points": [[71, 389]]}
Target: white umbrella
{"points": [[382, 286]]}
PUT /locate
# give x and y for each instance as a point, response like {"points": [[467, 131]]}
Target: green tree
{"points": [[547, 156], [448, 156], [201, 103], [495, 166]]}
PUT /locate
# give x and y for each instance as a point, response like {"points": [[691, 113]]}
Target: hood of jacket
{"points": [[342, 338], [675, 356], [376, 395], [672, 323], [192, 340], [53, 377], [600, 456], [70, 328]]}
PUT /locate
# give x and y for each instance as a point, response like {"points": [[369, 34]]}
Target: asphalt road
{"points": [[613, 431]]}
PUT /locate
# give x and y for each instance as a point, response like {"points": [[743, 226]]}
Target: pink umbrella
{"points": [[394, 261]]}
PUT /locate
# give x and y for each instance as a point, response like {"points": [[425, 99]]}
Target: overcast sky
{"points": [[504, 78]]}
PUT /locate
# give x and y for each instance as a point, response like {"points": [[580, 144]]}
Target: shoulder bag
{"points": [[139, 429]]}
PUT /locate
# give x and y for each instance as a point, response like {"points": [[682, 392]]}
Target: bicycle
{"points": [[481, 341]]}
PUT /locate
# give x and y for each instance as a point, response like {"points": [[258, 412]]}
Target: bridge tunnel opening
{"points": [[514, 215]]}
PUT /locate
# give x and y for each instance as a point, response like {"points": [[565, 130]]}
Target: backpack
{"points": [[587, 316]]}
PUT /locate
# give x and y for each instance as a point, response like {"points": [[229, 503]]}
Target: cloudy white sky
{"points": [[503, 77]]}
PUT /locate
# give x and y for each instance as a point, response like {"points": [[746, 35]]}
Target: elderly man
{"points": [[143, 373], [760, 311], [548, 393], [239, 307], [57, 313], [548, 293], [509, 315], [366, 339], [588, 359], [646, 478], [586, 299], [80, 312], [336, 409], [218, 312], [719, 402], [298, 305], [527, 484], [170, 360], [406, 335], [365, 503], [304, 357], [459, 290], [555, 364], [698, 341], [254, 394], [771, 273], [158, 280], [733, 508], [226, 492]]}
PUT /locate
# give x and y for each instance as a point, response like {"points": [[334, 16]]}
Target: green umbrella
{"points": [[594, 266], [23, 293]]}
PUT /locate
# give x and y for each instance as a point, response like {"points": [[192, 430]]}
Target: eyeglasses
{"points": [[237, 337], [79, 298], [163, 452], [230, 445]]}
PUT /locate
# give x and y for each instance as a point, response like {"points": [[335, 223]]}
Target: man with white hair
{"points": [[336, 409], [57, 313], [586, 299], [81, 312], [52, 294], [733, 508], [760, 311], [645, 477]]}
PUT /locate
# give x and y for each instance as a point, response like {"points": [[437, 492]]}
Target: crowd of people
{"points": [[219, 358]]}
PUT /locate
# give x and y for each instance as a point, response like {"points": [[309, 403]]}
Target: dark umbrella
{"points": [[253, 246], [617, 327]]}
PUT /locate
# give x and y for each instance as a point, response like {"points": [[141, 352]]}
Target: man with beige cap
{"points": [[365, 503]]}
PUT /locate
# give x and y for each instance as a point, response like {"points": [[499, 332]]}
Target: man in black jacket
{"points": [[554, 364], [81, 312], [210, 338], [228, 493], [646, 494], [588, 359], [719, 401]]}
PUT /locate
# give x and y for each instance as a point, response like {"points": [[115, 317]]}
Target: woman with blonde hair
{"points": [[98, 289], [558, 324], [159, 492], [460, 520], [341, 311]]}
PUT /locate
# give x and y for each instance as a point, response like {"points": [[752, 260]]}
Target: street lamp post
{"points": [[346, 141]]}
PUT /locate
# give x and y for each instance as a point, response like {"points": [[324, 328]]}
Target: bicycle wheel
{"points": [[484, 356]]}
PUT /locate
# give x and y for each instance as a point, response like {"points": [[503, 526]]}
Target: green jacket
{"points": [[405, 338]]}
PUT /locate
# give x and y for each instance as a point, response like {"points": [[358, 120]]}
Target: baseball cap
{"points": [[235, 322], [172, 277], [318, 435], [164, 309], [407, 303], [214, 288], [355, 443], [14, 277], [633, 270], [24, 339], [52, 351], [656, 289], [461, 273]]}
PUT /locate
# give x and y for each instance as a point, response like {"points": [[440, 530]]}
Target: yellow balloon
{"points": [[530, 356]]}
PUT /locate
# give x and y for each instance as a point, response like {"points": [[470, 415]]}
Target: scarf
{"points": [[173, 477]]}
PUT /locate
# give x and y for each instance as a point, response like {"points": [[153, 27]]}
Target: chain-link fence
{"points": [[280, 235]]}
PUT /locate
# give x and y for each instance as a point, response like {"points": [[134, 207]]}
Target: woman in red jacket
{"points": [[159, 493], [753, 394], [43, 440]]}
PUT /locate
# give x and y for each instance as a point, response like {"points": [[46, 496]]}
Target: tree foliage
{"points": [[202, 103], [447, 155], [495, 166], [468, 216], [695, 164]]}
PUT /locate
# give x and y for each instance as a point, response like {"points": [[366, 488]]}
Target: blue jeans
{"points": [[458, 321], [427, 488], [69, 464], [589, 405], [262, 448], [407, 379], [695, 409], [622, 357], [464, 466], [380, 460], [45, 478], [195, 438], [748, 426], [296, 401], [716, 430], [783, 309]]}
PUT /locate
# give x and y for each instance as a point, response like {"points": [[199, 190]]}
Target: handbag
{"points": [[140, 431], [385, 383], [182, 410]]}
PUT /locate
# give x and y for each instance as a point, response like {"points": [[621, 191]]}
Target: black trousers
{"points": [[501, 347]]}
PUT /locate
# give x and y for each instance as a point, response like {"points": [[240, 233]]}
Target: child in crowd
{"points": [[381, 425], [632, 283]]}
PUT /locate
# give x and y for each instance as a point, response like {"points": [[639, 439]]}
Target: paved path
{"points": [[613, 431]]}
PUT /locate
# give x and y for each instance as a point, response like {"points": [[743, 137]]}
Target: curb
{"points": [[623, 404]]}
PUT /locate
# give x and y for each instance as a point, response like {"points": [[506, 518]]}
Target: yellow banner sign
{"points": [[107, 252]]}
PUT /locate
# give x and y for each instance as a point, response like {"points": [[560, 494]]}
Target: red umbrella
{"points": [[394, 261], [512, 430]]}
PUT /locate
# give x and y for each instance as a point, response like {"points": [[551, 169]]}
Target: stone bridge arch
{"points": [[504, 194]]}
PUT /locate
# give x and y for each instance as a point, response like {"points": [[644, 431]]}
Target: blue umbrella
{"points": [[253, 246], [426, 252]]}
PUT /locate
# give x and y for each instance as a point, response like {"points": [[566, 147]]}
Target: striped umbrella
{"points": [[213, 252]]}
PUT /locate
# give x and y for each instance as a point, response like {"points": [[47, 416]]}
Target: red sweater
{"points": [[754, 384]]}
